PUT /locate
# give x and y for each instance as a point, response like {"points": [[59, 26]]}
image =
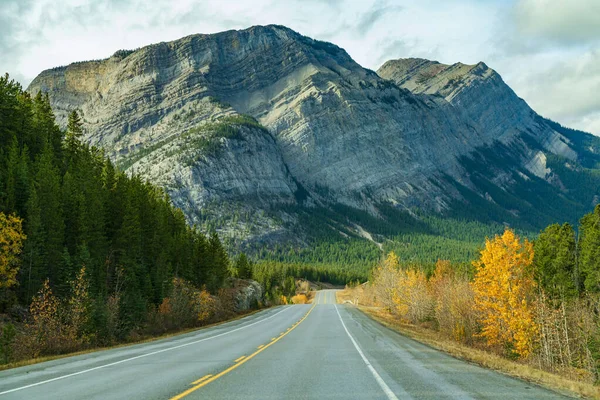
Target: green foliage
{"points": [[123, 53], [335, 246], [7, 336], [554, 261], [529, 202], [589, 251], [243, 267], [218, 102], [80, 211]]}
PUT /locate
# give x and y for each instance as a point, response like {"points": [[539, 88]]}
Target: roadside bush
{"points": [[186, 307], [453, 314], [299, 299]]}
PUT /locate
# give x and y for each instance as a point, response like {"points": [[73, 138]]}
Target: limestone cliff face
{"points": [[480, 93], [241, 122]]}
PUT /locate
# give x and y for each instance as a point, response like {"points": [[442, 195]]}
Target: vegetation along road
{"points": [[323, 350]]}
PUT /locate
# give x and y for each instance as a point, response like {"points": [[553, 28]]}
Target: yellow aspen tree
{"points": [[412, 296], [385, 281], [504, 288], [11, 243]]}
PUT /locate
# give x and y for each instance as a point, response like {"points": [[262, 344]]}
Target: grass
{"points": [[24, 363], [480, 357]]}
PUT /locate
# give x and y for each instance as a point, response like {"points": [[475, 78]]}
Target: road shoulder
{"points": [[482, 358]]}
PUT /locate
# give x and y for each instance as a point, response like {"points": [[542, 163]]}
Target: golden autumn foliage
{"points": [[11, 243], [412, 297], [504, 291], [185, 307], [299, 299], [402, 291], [385, 279], [453, 303], [501, 308]]}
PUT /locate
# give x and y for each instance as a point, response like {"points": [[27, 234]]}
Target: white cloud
{"points": [[566, 21]]}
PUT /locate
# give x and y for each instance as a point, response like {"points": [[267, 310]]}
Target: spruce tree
{"points": [[33, 272], [219, 268], [49, 197], [554, 261], [243, 267], [73, 137]]}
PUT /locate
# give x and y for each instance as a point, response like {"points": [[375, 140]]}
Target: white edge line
{"points": [[386, 389], [140, 356]]}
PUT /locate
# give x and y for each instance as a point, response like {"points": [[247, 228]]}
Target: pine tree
{"points": [[45, 126], [33, 271], [133, 301], [11, 177], [73, 137], [219, 268]]}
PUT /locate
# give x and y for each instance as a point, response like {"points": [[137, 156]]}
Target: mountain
{"points": [[534, 165], [258, 131]]}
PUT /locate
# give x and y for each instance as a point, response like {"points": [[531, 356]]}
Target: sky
{"points": [[548, 51]]}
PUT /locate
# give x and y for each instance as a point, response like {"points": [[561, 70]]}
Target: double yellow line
{"points": [[210, 378]]}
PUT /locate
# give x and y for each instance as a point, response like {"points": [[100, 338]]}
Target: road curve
{"points": [[314, 351]]}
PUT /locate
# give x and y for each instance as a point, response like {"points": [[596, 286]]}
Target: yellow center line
{"points": [[240, 359], [261, 346], [272, 339], [205, 377], [234, 366]]}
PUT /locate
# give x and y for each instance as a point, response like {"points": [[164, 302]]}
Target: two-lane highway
{"points": [[314, 351]]}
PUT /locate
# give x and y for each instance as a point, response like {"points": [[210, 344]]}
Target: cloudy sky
{"points": [[547, 50]]}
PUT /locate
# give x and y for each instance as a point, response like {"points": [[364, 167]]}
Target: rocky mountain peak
{"points": [[244, 122]]}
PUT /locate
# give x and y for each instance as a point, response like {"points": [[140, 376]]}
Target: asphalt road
{"points": [[315, 351]]}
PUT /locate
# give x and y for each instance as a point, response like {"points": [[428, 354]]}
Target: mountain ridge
{"points": [[320, 130]]}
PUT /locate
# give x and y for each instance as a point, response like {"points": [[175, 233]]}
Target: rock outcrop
{"points": [[248, 294]]}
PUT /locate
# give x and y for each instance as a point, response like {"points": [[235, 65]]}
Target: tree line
{"points": [[65, 208]]}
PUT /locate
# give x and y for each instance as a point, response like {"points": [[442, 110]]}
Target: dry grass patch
{"points": [[346, 295], [481, 357]]}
